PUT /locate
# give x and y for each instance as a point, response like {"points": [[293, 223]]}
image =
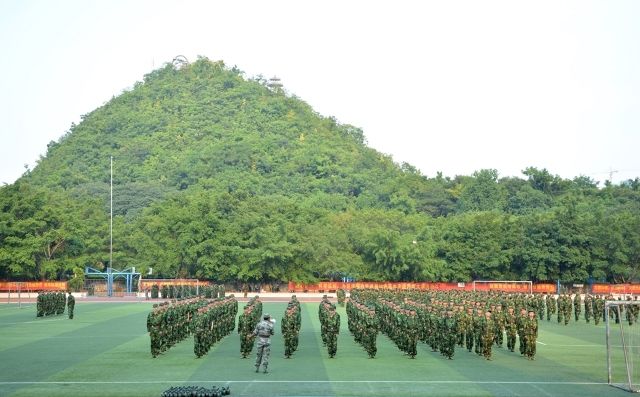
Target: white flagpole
{"points": [[111, 218]]}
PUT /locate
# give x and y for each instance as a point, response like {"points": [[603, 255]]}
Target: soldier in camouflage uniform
{"points": [[577, 306], [71, 304], [447, 330], [263, 331], [540, 303], [520, 329], [333, 329], [498, 320], [487, 329], [511, 326], [530, 331], [588, 307], [598, 309], [551, 306], [468, 328], [478, 321]]}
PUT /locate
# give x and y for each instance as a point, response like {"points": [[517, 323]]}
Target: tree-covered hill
{"points": [[223, 177]]}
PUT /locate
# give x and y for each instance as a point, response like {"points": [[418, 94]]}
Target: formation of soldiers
{"points": [[632, 312], [400, 323], [363, 325], [212, 323], [50, 304], [475, 320], [329, 325], [594, 308], [171, 322], [249, 318], [564, 306], [290, 326]]}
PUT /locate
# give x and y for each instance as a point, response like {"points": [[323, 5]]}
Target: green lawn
{"points": [[104, 351]]}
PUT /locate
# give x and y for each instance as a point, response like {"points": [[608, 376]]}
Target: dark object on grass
{"points": [[196, 391]]}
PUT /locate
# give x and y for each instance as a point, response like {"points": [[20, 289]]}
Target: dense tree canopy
{"points": [[220, 177]]}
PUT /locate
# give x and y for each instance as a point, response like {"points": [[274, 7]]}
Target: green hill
{"points": [[219, 176]]}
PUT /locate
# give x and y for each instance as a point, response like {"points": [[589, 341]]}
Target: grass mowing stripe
{"points": [[21, 362], [30, 329]]}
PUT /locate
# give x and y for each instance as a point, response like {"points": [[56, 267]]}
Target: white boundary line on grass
{"points": [[304, 381]]}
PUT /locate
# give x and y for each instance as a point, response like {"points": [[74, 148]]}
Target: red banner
{"points": [[607, 289], [33, 285], [439, 286]]}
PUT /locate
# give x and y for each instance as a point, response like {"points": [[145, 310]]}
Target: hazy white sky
{"points": [[451, 86]]}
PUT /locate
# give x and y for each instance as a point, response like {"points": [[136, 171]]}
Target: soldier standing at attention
{"points": [[577, 308], [588, 307], [531, 335], [263, 331], [333, 329], [511, 327], [520, 329], [488, 328], [71, 304]]}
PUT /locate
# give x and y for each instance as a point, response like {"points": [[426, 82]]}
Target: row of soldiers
{"points": [[363, 325], [212, 323], [249, 318], [290, 326], [170, 322], [50, 303], [399, 324], [444, 319], [329, 325]]}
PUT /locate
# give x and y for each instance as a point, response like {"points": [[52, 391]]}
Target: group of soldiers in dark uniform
{"points": [[171, 322], [444, 319], [363, 324], [594, 307], [212, 323], [54, 303], [290, 326], [249, 318], [329, 325]]}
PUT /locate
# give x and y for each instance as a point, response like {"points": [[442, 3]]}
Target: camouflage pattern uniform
{"points": [[577, 307], [263, 331], [290, 326], [512, 328], [530, 331], [71, 304], [588, 308]]}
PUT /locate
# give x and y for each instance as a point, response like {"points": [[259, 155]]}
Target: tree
{"points": [[482, 192]]}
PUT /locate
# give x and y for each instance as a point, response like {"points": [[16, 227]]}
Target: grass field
{"points": [[104, 351]]}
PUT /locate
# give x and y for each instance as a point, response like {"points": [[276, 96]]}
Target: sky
{"points": [[446, 86]]}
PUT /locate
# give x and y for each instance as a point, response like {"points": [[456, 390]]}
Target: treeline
{"points": [[219, 177], [585, 234]]}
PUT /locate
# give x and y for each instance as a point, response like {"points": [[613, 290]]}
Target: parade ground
{"points": [[104, 351]]}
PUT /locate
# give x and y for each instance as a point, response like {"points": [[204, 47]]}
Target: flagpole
{"points": [[111, 218]]}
